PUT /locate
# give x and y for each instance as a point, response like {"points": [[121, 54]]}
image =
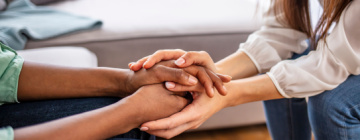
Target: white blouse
{"points": [[320, 70]]}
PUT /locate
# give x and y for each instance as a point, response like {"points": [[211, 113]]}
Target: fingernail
{"points": [[144, 128], [229, 76], [180, 61], [131, 64], [193, 80], [169, 85]]}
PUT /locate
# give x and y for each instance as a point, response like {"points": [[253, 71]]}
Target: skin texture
{"points": [[163, 55], [110, 120], [206, 77], [244, 88], [52, 82], [41, 82]]}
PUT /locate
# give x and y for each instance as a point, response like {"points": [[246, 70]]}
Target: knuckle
{"points": [[205, 54], [195, 52], [172, 125], [155, 53], [179, 50], [169, 125], [191, 69], [158, 52], [180, 74], [202, 52], [159, 72], [190, 54]]}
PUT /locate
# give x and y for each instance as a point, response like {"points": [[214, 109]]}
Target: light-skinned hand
{"points": [[184, 59]]}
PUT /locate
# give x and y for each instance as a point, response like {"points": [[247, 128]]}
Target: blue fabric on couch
{"points": [[23, 20]]}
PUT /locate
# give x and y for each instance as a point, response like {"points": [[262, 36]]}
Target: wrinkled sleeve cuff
{"points": [[277, 85], [9, 74]]}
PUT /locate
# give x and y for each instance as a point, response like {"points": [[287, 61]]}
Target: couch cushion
{"points": [[63, 56], [124, 19]]}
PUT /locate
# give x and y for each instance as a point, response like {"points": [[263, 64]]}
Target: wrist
{"points": [[234, 96], [135, 109], [117, 84], [256, 88], [129, 82], [238, 65], [124, 122], [104, 82]]}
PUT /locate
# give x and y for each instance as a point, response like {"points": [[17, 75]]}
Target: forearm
{"points": [[238, 65], [102, 123], [118, 118], [257, 88], [39, 81]]}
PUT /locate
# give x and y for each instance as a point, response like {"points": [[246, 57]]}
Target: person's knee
{"points": [[336, 112], [336, 106], [327, 108], [337, 101]]}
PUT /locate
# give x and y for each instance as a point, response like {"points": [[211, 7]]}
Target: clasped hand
{"points": [[206, 100]]}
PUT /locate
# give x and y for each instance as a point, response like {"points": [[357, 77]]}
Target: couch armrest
{"points": [[63, 56]]}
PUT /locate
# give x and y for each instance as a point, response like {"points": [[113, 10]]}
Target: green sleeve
{"points": [[10, 67], [6, 133]]}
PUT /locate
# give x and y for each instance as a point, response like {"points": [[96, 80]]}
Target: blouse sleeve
{"points": [[273, 42], [10, 67], [328, 66]]}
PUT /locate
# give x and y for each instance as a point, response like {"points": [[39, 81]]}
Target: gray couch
{"points": [[134, 29]]}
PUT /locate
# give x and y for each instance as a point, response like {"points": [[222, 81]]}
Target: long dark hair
{"points": [[296, 15]]}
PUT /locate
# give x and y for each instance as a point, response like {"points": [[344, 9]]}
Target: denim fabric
{"points": [[287, 119], [30, 113], [332, 115], [335, 114]]}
